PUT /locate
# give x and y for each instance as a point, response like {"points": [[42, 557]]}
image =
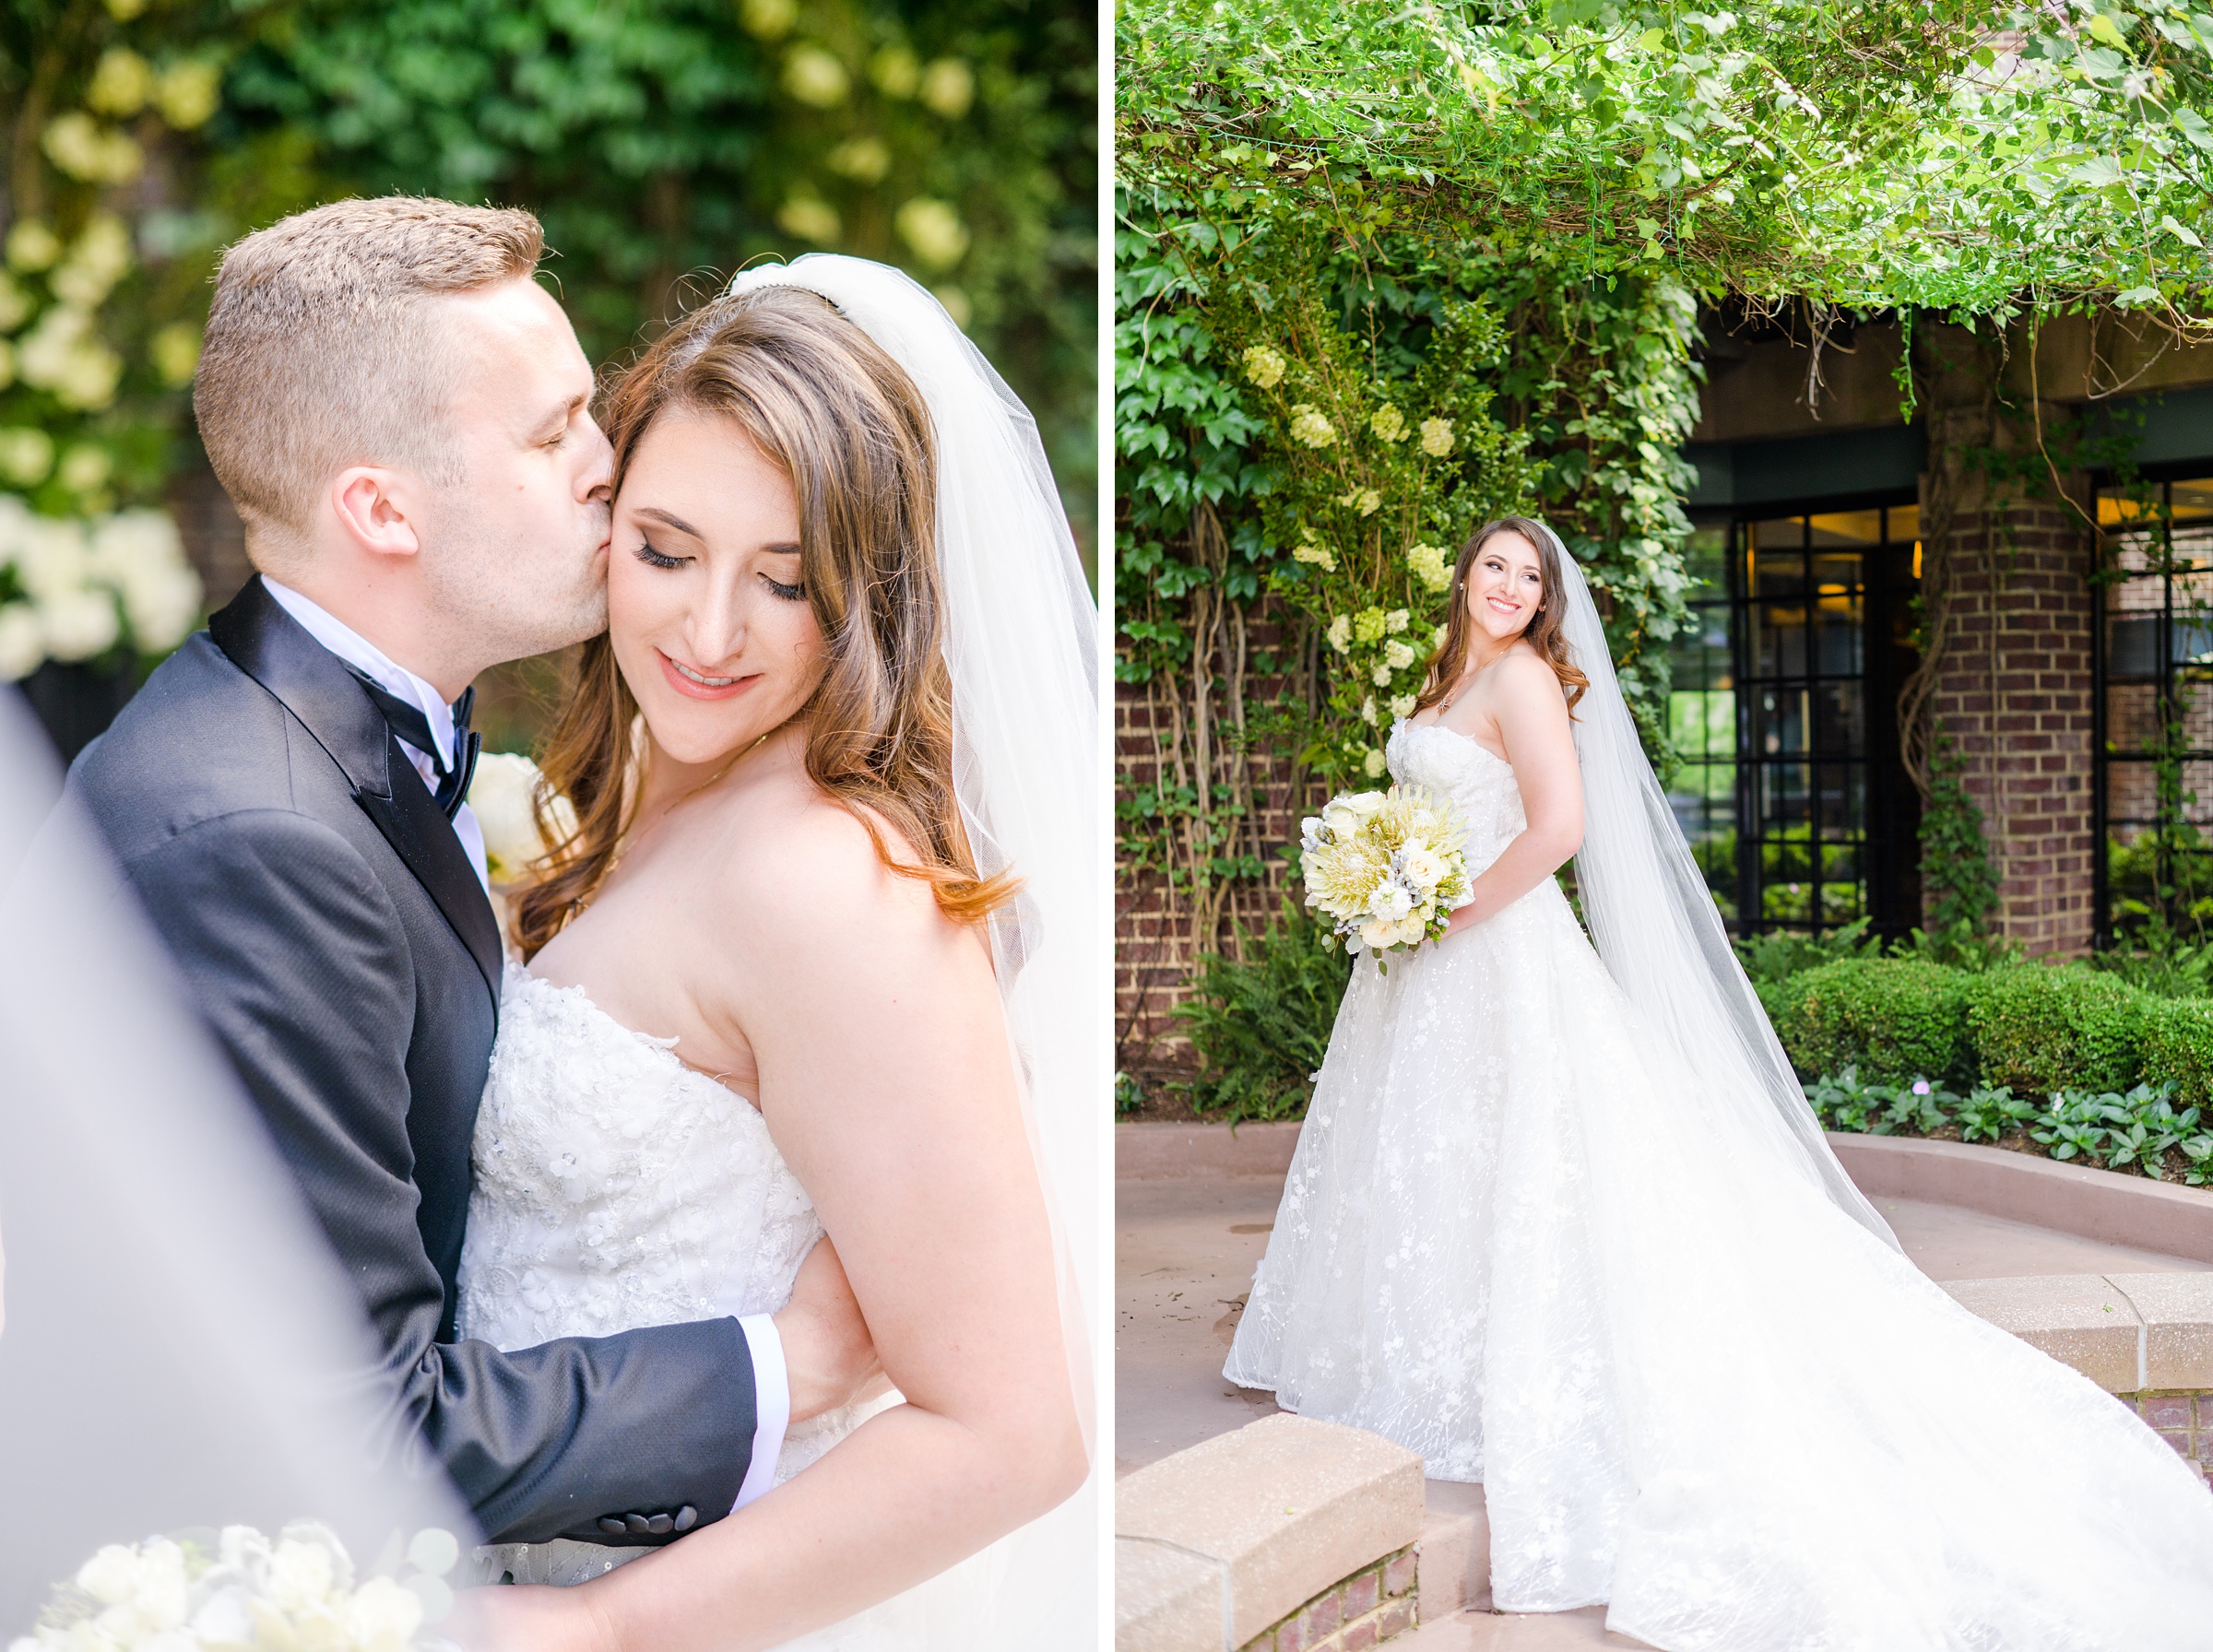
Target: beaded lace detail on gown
{"points": [[617, 1187], [1514, 1241]]}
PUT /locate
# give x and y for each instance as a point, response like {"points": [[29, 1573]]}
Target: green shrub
{"points": [[2178, 1047], [1261, 1025], [1891, 1019], [2042, 1030]]}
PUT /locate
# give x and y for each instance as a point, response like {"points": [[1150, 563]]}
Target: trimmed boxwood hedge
{"points": [[1892, 1018], [2041, 1030], [2178, 1048], [2037, 1027]]}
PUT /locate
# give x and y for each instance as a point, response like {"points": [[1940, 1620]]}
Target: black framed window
{"points": [[1784, 711], [2151, 763]]}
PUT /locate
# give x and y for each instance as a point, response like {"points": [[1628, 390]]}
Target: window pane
{"points": [[1784, 532], [1904, 524], [1847, 528]]}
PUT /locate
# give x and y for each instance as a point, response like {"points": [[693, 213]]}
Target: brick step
{"points": [[1514, 1632]]}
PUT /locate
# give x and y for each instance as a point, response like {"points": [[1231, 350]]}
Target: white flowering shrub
{"points": [[72, 589], [239, 1590]]}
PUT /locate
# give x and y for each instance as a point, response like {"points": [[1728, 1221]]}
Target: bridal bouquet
{"points": [[237, 1591], [1388, 867]]}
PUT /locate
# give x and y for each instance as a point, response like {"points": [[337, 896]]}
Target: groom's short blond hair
{"points": [[324, 348]]}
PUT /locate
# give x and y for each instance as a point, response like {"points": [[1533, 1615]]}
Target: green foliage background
{"points": [[1332, 182], [663, 142]]}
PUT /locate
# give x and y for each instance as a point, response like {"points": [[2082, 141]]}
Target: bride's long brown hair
{"points": [[818, 397], [1547, 633]]}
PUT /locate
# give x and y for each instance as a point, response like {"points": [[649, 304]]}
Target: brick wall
{"points": [[1162, 926], [2013, 694]]}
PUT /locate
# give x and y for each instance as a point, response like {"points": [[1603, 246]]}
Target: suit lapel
{"points": [[269, 645]]}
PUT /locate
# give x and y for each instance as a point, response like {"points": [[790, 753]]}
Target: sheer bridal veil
{"points": [[178, 1346], [1020, 640], [1654, 923]]}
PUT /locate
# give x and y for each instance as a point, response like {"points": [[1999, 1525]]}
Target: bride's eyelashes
{"points": [[653, 558], [796, 593]]}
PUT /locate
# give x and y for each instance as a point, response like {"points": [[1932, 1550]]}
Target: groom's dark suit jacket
{"points": [[336, 939]]}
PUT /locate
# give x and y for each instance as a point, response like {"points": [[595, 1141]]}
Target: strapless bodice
{"points": [[616, 1186], [1478, 782]]}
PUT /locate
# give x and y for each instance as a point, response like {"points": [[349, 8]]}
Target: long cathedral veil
{"points": [[1021, 646], [179, 1350], [1654, 923]]}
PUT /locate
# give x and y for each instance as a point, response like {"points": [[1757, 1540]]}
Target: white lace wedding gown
{"points": [[617, 1187], [1515, 1240]]}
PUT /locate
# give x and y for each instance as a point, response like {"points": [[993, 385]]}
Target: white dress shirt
{"points": [[771, 1383]]}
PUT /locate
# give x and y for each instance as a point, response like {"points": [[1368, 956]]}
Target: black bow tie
{"points": [[455, 768]]}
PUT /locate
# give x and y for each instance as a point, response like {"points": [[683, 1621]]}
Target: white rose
{"points": [[1379, 934], [382, 1616], [1424, 866], [111, 1576], [78, 624], [301, 1576], [500, 795], [1412, 931], [22, 641], [1365, 804]]}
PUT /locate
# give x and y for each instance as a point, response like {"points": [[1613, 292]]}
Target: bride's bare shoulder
{"points": [[802, 864]]}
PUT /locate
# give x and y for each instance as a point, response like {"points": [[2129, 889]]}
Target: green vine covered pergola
{"points": [[1383, 272]]}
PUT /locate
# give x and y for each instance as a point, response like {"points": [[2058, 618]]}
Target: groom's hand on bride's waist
{"points": [[828, 1356]]}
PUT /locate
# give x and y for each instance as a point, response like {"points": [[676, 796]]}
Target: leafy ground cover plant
{"points": [[1259, 1024], [2139, 1130]]}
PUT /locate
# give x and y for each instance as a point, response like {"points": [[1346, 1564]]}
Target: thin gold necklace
{"points": [[629, 840], [1467, 681]]}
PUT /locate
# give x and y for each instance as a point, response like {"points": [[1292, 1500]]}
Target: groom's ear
{"points": [[369, 504]]}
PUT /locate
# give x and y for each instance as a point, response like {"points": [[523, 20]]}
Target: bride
{"points": [[802, 961], [1561, 1222]]}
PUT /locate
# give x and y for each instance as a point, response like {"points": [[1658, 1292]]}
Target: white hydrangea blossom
{"points": [[1388, 423], [1396, 656], [1437, 437], [84, 587], [1368, 709], [1341, 632], [1265, 367], [1429, 566], [1396, 620], [1374, 763], [1307, 426], [1306, 550], [1402, 705], [1380, 677]]}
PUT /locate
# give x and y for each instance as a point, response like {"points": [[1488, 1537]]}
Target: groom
{"points": [[401, 415]]}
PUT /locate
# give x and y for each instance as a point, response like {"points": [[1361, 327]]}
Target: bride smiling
{"points": [[815, 963]]}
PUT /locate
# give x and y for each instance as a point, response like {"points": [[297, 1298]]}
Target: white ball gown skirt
{"points": [[1517, 1239]]}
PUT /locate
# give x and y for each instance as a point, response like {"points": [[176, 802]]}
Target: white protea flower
{"points": [[1437, 437], [1307, 426], [1265, 367]]}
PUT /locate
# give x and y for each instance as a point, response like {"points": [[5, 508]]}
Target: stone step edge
{"points": [[2103, 1205], [1219, 1545]]}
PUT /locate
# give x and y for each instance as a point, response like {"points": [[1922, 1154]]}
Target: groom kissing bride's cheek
{"points": [[699, 1218]]}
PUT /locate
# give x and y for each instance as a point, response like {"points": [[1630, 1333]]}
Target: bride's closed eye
{"points": [[653, 558], [793, 593]]}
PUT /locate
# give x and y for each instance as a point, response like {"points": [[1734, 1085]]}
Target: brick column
{"points": [[2013, 690]]}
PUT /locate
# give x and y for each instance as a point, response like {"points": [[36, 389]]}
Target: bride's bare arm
{"points": [[1539, 743], [888, 1085]]}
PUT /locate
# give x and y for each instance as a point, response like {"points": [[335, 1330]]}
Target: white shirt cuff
{"points": [[772, 1406]]}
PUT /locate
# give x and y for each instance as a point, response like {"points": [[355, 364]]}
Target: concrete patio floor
{"points": [[1185, 1249]]}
